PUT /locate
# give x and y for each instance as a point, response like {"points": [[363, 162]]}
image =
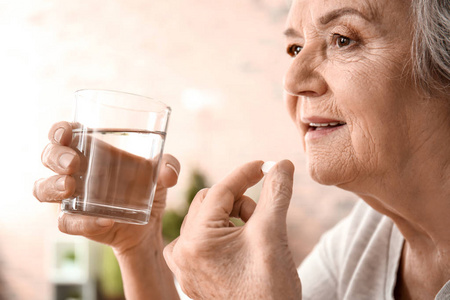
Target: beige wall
{"points": [[225, 56]]}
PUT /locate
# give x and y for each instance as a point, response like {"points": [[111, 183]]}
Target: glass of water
{"points": [[120, 139]]}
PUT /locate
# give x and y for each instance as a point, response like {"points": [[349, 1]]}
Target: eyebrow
{"points": [[337, 13], [333, 15], [291, 32]]}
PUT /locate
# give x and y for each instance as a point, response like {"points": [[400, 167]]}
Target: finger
{"points": [[83, 225], [169, 171], [194, 208], [55, 188], [276, 193], [60, 159], [168, 256], [61, 133], [172, 262], [243, 208], [219, 202]]}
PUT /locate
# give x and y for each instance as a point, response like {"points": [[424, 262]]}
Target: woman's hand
{"points": [[214, 260], [65, 161]]}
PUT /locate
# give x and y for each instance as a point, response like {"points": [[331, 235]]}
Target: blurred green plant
{"points": [[70, 255], [237, 222], [173, 219], [110, 278]]}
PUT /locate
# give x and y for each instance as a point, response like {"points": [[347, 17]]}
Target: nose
{"points": [[303, 77]]}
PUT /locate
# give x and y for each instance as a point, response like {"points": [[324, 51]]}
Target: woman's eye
{"points": [[341, 41], [294, 50]]}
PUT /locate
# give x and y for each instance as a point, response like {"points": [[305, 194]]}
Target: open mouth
{"points": [[324, 126]]}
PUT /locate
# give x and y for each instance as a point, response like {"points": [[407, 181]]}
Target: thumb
{"points": [[276, 195], [83, 225]]}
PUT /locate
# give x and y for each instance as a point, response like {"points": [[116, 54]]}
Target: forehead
{"points": [[304, 11]]}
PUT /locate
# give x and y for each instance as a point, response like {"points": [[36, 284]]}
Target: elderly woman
{"points": [[368, 88]]}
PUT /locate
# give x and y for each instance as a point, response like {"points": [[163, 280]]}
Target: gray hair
{"points": [[431, 46]]}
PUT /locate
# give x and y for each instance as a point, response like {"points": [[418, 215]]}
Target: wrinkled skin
{"points": [[351, 63], [212, 259], [363, 82]]}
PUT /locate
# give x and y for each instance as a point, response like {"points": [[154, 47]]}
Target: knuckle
{"points": [[45, 154], [222, 189], [199, 197], [203, 192], [61, 195], [36, 189], [74, 165], [70, 187], [69, 224], [186, 251], [61, 159], [166, 252], [62, 223], [45, 189]]}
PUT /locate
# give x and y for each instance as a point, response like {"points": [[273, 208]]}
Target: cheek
{"points": [[374, 110], [291, 105], [368, 107], [372, 96]]}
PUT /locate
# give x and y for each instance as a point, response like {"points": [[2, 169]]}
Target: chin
{"points": [[322, 177], [329, 174]]}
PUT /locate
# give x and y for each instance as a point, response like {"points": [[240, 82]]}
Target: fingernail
{"points": [[65, 160], [265, 168], [61, 184], [58, 134], [173, 168], [104, 222]]}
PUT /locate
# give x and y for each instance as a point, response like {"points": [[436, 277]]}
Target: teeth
{"points": [[326, 124]]}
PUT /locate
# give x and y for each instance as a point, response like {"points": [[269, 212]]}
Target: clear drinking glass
{"points": [[120, 139]]}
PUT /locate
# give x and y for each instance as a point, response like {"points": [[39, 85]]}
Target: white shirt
{"points": [[357, 259]]}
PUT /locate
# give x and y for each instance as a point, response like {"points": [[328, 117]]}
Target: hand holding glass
{"points": [[120, 139]]}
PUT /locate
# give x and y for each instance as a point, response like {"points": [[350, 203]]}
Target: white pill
{"points": [[265, 168]]}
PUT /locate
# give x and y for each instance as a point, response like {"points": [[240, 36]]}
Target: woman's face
{"points": [[349, 89]]}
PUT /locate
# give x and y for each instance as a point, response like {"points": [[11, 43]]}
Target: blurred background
{"points": [[219, 65]]}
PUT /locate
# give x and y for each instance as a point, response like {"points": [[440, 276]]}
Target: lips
{"points": [[321, 124], [326, 125]]}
